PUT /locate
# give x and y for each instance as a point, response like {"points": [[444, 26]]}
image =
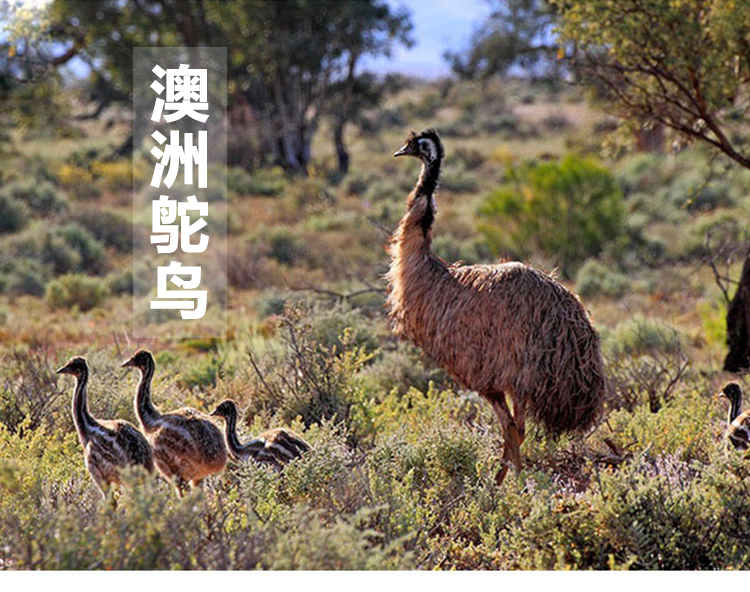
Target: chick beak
{"points": [[404, 150]]}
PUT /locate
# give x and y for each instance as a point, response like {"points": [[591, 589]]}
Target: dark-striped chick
{"points": [[274, 447], [188, 446], [738, 424]]}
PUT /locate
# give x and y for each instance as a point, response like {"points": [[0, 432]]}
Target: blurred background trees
{"points": [[685, 65], [287, 60], [673, 73]]}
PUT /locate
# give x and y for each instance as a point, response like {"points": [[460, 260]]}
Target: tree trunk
{"points": [[738, 325], [341, 152]]}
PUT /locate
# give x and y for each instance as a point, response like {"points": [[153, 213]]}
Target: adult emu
{"points": [[505, 330]]}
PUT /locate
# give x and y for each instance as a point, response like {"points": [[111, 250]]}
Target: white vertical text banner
{"points": [[179, 192]]}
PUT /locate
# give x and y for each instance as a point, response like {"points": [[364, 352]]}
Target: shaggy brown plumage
{"points": [[108, 445], [505, 329], [738, 424], [188, 446], [274, 447]]}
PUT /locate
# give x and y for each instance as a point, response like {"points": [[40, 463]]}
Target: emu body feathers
{"points": [[505, 329]]}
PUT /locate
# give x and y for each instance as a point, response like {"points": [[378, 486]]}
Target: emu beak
{"points": [[62, 370], [213, 413], [403, 151], [127, 364]]}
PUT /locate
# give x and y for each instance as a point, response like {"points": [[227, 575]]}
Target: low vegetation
{"points": [[401, 475]]}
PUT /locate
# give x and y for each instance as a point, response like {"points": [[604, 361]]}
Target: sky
{"points": [[439, 25]]}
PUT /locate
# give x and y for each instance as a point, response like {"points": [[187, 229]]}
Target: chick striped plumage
{"points": [[274, 447]]}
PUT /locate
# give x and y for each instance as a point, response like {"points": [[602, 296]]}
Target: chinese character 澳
{"points": [[186, 94]]}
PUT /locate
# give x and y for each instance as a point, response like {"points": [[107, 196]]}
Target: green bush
{"points": [[285, 246], [91, 253], [567, 210], [595, 279], [646, 359], [268, 182], [41, 197], [75, 290], [22, 276], [110, 228], [453, 249], [14, 214]]}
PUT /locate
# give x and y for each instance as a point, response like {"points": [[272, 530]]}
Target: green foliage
{"points": [[110, 228], [72, 248], [646, 358], [285, 246], [42, 198], [76, 290], [694, 91], [567, 210], [265, 182], [595, 278], [22, 276], [14, 214]]}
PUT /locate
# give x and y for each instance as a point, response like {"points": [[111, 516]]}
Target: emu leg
{"points": [[512, 435]]}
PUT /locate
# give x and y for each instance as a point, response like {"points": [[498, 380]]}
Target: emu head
{"points": [[732, 391], [75, 366], [142, 359], [425, 145], [226, 409]]}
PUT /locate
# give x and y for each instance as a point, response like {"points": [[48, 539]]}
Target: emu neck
{"points": [[144, 408], [233, 441], [415, 271], [734, 409], [422, 208], [81, 416]]}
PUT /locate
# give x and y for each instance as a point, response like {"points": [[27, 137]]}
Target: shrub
{"points": [[285, 246], [114, 175], [78, 180], [41, 197], [568, 210], [267, 182], [90, 251], [22, 276], [14, 214], [308, 380], [453, 249], [469, 158], [109, 227], [595, 278], [120, 283], [644, 357], [459, 180], [76, 290]]}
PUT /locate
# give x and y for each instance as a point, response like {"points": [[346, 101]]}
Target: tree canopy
{"points": [[682, 63], [517, 33], [286, 59]]}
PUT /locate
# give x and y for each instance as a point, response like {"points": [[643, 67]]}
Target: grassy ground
{"points": [[401, 472]]}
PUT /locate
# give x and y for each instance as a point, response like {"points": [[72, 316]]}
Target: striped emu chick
{"points": [[738, 424], [188, 446], [275, 447], [508, 331], [108, 446]]}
